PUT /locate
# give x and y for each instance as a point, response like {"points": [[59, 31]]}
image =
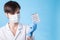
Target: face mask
{"points": [[14, 18]]}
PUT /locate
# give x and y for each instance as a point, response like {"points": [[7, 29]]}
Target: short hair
{"points": [[11, 7]]}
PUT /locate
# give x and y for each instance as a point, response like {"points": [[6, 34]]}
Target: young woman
{"points": [[14, 30]]}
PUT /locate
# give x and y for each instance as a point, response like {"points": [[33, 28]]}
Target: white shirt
{"points": [[6, 34]]}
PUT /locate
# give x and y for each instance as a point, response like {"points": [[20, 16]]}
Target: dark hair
{"points": [[11, 7]]}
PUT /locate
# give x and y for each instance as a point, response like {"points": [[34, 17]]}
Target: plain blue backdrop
{"points": [[49, 13]]}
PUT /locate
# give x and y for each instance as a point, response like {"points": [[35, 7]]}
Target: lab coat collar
{"points": [[20, 26]]}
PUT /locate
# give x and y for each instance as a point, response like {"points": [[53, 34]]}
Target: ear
{"points": [[7, 15]]}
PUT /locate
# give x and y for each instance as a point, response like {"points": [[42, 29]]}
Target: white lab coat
{"points": [[6, 34]]}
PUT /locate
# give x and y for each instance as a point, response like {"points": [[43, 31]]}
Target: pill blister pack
{"points": [[35, 18]]}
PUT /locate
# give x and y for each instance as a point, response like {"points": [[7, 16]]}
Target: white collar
{"points": [[20, 27]]}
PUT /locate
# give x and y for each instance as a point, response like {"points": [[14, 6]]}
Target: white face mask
{"points": [[14, 18]]}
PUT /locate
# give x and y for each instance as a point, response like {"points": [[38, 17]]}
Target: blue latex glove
{"points": [[32, 29]]}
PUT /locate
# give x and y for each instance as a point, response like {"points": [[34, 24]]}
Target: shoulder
{"points": [[2, 31], [2, 28]]}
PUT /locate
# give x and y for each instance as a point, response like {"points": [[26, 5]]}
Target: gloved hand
{"points": [[32, 29], [35, 20]]}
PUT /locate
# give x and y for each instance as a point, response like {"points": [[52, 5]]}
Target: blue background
{"points": [[49, 13]]}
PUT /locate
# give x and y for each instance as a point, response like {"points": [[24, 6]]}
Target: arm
{"points": [[1, 35]]}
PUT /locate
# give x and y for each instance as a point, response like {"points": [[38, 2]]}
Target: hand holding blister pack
{"points": [[35, 20]]}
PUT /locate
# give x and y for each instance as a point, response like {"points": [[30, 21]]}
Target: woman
{"points": [[14, 30]]}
